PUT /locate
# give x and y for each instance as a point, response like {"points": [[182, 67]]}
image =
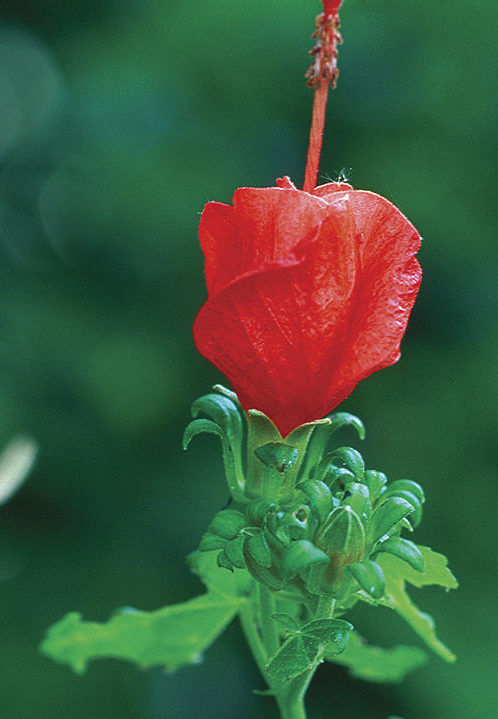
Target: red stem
{"points": [[316, 135]]}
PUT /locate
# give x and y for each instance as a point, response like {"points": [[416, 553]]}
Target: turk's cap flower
{"points": [[307, 294]]}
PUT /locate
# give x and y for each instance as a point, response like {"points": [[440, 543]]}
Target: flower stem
{"points": [[266, 608], [316, 135]]}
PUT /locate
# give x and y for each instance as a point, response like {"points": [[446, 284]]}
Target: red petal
{"points": [[263, 225], [331, 187]]}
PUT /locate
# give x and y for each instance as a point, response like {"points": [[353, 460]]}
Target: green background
{"points": [[118, 121]]}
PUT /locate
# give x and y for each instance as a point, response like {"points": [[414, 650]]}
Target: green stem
{"points": [[250, 628], [266, 608], [325, 607]]}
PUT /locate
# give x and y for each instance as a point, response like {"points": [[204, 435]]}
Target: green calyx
{"points": [[307, 517]]}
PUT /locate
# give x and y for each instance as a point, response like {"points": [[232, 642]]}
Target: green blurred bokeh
{"points": [[118, 121]]}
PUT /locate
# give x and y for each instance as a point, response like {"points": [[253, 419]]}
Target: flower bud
{"points": [[342, 536]]}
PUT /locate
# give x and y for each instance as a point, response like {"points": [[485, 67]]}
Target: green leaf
{"points": [[375, 664], [397, 573], [288, 622], [304, 649], [332, 633], [237, 584], [172, 637], [258, 549]]}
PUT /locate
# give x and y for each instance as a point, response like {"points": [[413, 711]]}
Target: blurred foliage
{"points": [[119, 121]]}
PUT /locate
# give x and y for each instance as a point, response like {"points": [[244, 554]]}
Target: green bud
{"points": [[404, 549], [227, 523], [257, 511], [234, 552], [223, 561], [257, 547], [337, 478], [342, 536], [357, 497], [416, 515], [386, 515], [370, 577], [299, 556], [409, 486], [211, 541], [278, 456], [375, 481], [319, 497], [349, 458]]}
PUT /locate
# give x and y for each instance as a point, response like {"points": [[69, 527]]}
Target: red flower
{"points": [[307, 294]]}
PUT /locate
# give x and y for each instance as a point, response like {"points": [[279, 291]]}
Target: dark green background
{"points": [[118, 121]]}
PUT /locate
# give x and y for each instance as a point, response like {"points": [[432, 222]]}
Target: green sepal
{"points": [[350, 459], [227, 523], [416, 515], [258, 549], [234, 552], [256, 511], [320, 437], [358, 498], [386, 515], [375, 482], [404, 549], [299, 556], [269, 576], [277, 455], [211, 541], [228, 393], [319, 497], [408, 485], [224, 412], [370, 577], [231, 457], [337, 478], [223, 562]]}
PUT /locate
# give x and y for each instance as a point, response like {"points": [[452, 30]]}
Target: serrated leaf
{"points": [[288, 622], [172, 637], [329, 632], [376, 664], [397, 573], [304, 649], [216, 579], [294, 656]]}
